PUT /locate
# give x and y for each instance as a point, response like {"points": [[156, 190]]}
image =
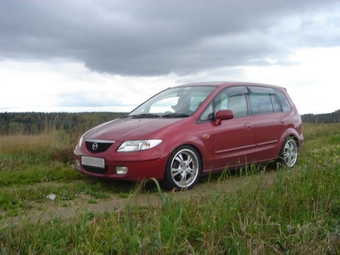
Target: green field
{"points": [[295, 212]]}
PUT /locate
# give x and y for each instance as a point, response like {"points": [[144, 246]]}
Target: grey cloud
{"points": [[158, 37]]}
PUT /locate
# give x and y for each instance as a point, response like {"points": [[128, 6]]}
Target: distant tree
{"points": [[39, 122], [15, 128]]}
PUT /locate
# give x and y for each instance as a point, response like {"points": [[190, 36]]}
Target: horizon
{"points": [[130, 111]]}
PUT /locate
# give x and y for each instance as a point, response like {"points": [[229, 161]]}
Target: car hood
{"points": [[129, 129]]}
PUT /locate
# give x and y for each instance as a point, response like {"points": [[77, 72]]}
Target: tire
{"points": [[183, 169], [289, 152]]}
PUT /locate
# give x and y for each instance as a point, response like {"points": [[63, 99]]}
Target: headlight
{"points": [[138, 145]]}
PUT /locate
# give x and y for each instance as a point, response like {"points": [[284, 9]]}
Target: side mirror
{"points": [[223, 115]]}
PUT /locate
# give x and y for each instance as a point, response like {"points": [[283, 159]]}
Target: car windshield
{"points": [[177, 102]]}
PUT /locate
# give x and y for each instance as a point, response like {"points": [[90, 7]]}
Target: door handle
{"points": [[282, 121], [247, 126]]}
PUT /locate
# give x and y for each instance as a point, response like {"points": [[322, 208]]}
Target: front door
{"points": [[234, 139], [234, 143]]}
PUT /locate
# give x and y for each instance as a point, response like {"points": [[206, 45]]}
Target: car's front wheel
{"points": [[182, 169], [289, 152]]}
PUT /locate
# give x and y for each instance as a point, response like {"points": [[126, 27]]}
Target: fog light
{"points": [[78, 164], [121, 169]]}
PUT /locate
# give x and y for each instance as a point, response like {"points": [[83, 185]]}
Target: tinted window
{"points": [[233, 98], [238, 104], [261, 103], [276, 104], [283, 101]]}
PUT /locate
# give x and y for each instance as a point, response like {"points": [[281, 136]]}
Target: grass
{"points": [[296, 213]]}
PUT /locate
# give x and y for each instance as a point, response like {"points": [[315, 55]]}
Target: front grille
{"points": [[95, 170], [96, 146]]}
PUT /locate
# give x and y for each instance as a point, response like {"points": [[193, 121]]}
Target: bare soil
{"points": [[50, 209]]}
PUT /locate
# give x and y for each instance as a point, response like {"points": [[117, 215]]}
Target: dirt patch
{"points": [[115, 203]]}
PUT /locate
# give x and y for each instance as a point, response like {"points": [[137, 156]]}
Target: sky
{"points": [[101, 55]]}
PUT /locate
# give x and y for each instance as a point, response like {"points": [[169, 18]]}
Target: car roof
{"points": [[229, 84]]}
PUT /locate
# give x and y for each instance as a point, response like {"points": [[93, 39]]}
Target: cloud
{"points": [[147, 38], [101, 55]]}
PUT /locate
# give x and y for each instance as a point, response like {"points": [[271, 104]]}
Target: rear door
{"points": [[270, 122]]}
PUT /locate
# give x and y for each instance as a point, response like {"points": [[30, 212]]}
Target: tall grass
{"points": [[33, 166], [55, 145], [29, 159], [296, 213]]}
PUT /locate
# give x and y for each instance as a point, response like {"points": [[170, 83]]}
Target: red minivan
{"points": [[190, 130]]}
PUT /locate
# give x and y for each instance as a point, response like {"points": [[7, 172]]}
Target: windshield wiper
{"points": [[144, 115], [175, 115]]}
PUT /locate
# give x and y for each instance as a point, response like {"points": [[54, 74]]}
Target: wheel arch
{"points": [[291, 132], [194, 146], [171, 182], [290, 154]]}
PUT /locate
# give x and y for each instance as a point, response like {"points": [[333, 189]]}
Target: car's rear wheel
{"points": [[289, 152], [182, 169]]}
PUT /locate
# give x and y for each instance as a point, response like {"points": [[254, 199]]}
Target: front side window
{"points": [[233, 98], [238, 104]]}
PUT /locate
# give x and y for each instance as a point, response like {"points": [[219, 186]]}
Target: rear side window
{"points": [[283, 101], [276, 104], [267, 100], [261, 103]]}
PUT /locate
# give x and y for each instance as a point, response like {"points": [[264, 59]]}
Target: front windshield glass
{"points": [[173, 102]]}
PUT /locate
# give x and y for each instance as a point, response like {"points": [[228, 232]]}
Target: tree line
{"points": [[333, 117], [12, 123]]}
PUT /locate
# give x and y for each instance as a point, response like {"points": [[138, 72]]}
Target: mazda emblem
{"points": [[94, 146]]}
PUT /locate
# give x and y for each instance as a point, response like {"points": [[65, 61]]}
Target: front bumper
{"points": [[140, 165]]}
